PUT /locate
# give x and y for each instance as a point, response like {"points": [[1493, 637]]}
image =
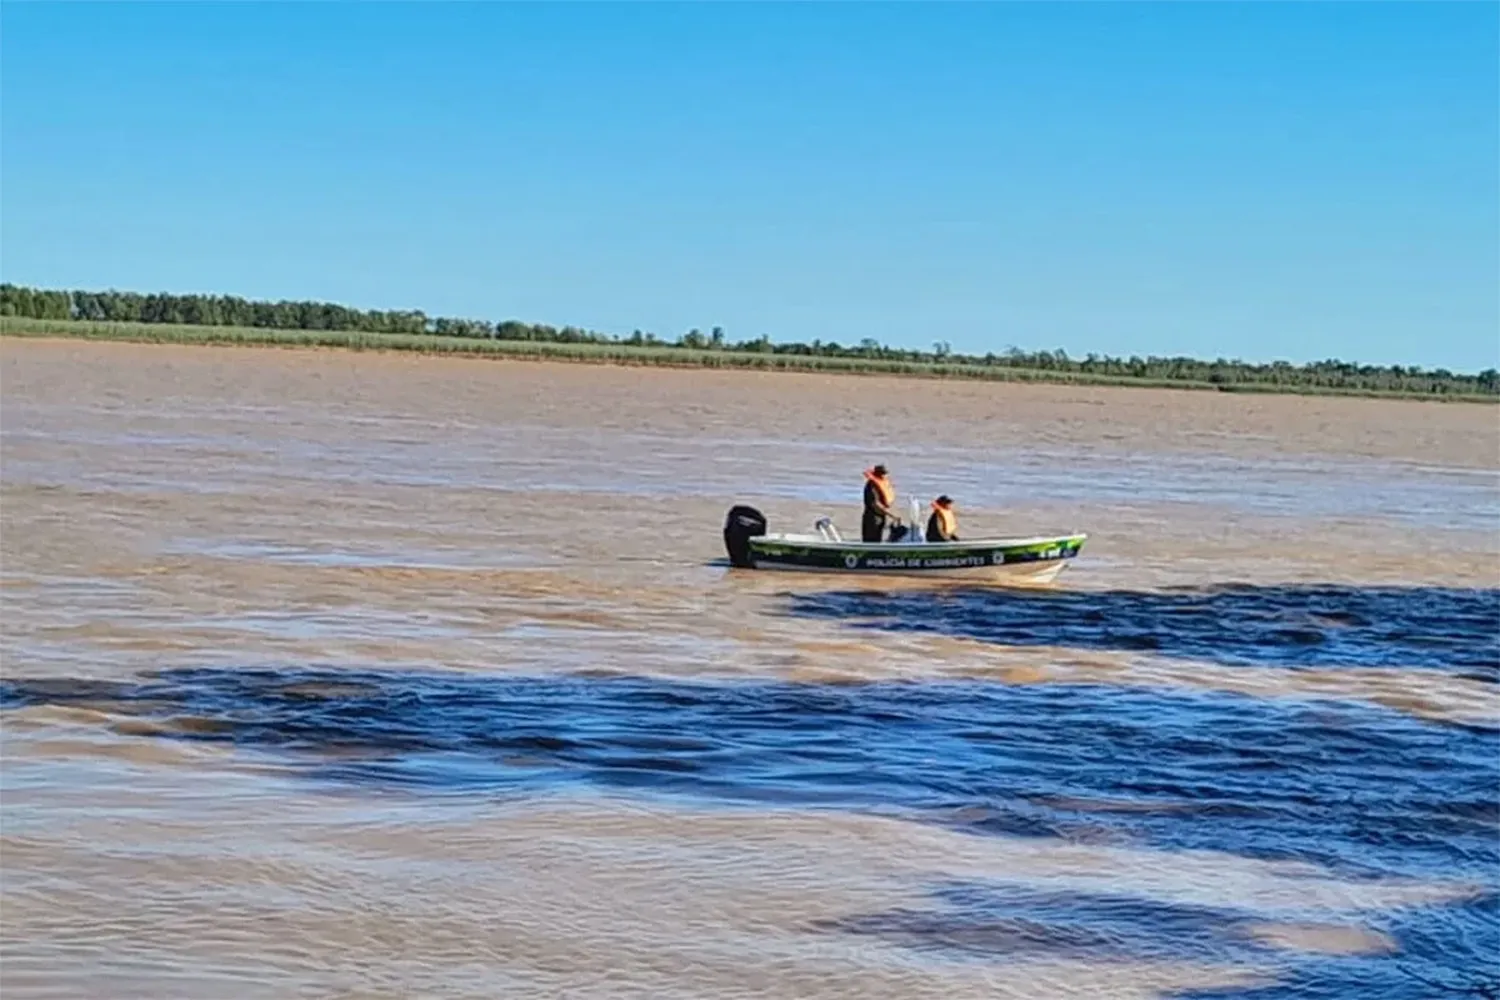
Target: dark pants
{"points": [[872, 528]]}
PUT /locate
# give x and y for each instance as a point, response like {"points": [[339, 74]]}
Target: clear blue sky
{"points": [[1273, 180]]}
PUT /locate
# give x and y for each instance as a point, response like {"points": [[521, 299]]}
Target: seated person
{"points": [[942, 526]]}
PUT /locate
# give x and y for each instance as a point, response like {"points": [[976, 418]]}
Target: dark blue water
{"points": [[1451, 630], [1365, 792]]}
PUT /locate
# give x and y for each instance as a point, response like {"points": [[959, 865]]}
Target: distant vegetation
{"points": [[206, 319]]}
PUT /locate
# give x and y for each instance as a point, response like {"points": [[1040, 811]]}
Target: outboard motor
{"points": [[742, 524]]}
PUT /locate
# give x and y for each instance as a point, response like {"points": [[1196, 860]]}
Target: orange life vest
{"points": [[947, 520], [883, 487]]}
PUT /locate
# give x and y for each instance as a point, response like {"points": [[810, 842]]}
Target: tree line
{"points": [[227, 310]]}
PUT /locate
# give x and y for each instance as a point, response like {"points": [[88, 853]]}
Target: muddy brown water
{"points": [[357, 675]]}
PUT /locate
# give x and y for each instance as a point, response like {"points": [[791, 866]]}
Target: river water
{"points": [[347, 675]]}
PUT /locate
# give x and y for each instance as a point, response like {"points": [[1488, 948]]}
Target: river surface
{"points": [[375, 676]]}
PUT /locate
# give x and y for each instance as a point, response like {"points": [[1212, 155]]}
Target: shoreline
{"points": [[624, 355]]}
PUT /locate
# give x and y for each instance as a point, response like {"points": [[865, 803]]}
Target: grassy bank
{"points": [[624, 354]]}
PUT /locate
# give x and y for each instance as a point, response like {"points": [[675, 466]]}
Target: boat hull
{"points": [[1028, 560]]}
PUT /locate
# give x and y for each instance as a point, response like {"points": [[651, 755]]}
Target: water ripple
{"points": [[1364, 792], [1355, 787]]}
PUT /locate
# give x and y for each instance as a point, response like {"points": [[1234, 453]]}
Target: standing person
{"points": [[880, 502], [942, 526]]}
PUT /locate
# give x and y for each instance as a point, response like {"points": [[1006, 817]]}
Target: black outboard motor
{"points": [[742, 524]]}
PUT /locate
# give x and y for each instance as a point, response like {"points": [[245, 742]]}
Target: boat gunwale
{"points": [[818, 542]]}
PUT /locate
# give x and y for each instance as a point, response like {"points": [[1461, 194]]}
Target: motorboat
{"points": [[1036, 559]]}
